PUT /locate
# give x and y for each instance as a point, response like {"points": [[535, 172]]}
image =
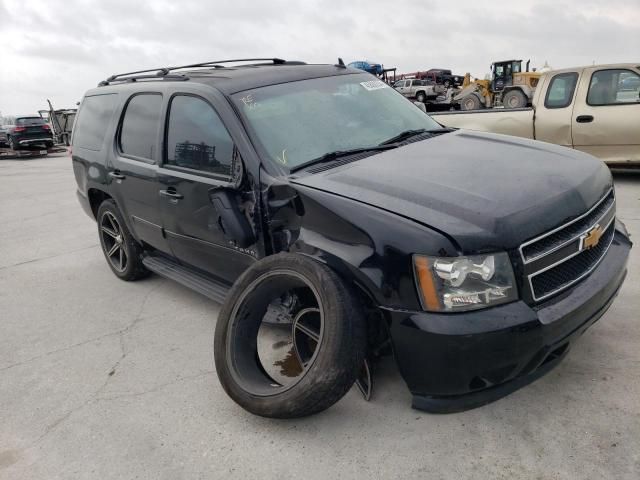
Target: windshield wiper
{"points": [[327, 157], [404, 135], [412, 133]]}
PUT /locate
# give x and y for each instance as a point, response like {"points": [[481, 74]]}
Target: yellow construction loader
{"points": [[509, 86]]}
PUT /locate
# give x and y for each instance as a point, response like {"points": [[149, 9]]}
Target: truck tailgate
{"points": [[517, 121]]}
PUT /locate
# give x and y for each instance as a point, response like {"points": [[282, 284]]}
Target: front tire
{"points": [[122, 252], [470, 102], [514, 99], [290, 338]]}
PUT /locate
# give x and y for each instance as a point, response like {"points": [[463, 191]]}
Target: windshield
{"points": [[296, 122]]}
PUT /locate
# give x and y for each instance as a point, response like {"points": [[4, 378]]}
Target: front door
{"points": [[199, 155], [607, 123], [134, 172], [553, 117]]}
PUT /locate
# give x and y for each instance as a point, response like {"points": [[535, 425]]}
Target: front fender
{"points": [[366, 245]]}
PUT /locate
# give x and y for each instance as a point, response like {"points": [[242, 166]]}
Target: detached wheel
{"points": [[122, 252], [514, 99], [290, 338], [421, 97]]}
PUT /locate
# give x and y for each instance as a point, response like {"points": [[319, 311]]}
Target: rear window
{"points": [[560, 92], [93, 120], [30, 121]]}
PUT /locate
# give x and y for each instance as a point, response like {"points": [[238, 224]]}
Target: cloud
{"points": [[60, 49]]}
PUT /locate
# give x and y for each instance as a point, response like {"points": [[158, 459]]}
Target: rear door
{"points": [[606, 117], [134, 169], [199, 157]]}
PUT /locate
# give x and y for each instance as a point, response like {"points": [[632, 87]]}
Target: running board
{"points": [[186, 276]]}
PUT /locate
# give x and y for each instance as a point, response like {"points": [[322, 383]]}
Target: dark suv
{"points": [[29, 131], [337, 222]]}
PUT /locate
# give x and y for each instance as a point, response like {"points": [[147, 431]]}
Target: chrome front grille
{"points": [[563, 256]]}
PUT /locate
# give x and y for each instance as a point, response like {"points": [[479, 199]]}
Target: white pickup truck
{"points": [[595, 109], [420, 90]]}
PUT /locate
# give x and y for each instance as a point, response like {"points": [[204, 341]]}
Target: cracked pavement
{"points": [[105, 379]]}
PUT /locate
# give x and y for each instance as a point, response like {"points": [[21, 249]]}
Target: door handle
{"points": [[117, 175], [171, 194], [584, 118]]}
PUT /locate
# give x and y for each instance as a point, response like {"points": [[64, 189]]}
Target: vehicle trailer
{"points": [[338, 222], [592, 109], [61, 122]]}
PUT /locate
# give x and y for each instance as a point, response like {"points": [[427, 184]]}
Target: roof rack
{"points": [[164, 73]]}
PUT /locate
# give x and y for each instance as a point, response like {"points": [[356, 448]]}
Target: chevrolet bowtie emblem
{"points": [[592, 237]]}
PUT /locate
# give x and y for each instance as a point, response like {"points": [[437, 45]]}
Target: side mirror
{"points": [[233, 223]]}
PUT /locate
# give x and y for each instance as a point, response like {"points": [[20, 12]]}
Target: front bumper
{"points": [[454, 362]]}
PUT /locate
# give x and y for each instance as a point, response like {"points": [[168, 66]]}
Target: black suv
{"points": [[337, 222], [29, 131]]}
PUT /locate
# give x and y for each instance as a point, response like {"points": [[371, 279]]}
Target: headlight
{"points": [[453, 284]]}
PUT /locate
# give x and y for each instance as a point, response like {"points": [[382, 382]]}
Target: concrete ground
{"points": [[104, 379]]}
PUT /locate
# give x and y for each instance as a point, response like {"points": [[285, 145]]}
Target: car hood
{"points": [[483, 191]]}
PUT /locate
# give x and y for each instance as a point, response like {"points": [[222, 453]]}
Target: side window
{"points": [[560, 91], [196, 137], [139, 130], [93, 120], [613, 87]]}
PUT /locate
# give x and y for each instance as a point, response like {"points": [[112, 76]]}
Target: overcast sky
{"points": [[59, 49]]}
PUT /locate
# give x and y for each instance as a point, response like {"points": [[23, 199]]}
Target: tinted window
{"points": [[139, 132], [560, 92], [30, 121], [196, 137], [613, 87], [93, 120]]}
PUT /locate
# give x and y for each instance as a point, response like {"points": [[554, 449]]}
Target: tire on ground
{"points": [[514, 99], [134, 268], [421, 97], [339, 356], [470, 102]]}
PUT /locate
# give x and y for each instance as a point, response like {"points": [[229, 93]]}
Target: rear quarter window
{"points": [[93, 120]]}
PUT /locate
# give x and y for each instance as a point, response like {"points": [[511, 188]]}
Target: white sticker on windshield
{"points": [[374, 85]]}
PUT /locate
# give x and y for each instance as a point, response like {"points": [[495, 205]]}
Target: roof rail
{"points": [[164, 72]]}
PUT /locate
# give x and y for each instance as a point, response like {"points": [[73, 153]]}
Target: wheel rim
{"points": [[275, 333], [113, 241]]}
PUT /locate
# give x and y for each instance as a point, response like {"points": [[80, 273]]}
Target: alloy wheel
{"points": [[277, 334], [113, 241]]}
